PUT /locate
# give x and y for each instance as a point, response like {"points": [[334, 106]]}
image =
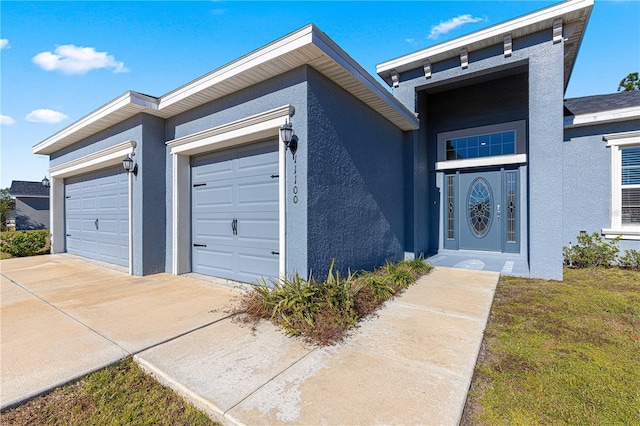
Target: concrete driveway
{"points": [[62, 318], [410, 364]]}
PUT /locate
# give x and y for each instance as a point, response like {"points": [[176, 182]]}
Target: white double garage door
{"points": [[234, 213]]}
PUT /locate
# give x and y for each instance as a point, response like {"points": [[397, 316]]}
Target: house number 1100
{"points": [[295, 178]]}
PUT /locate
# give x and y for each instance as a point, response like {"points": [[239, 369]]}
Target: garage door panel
{"points": [[252, 264], [255, 229], [214, 230], [213, 197], [242, 185], [218, 263], [101, 196], [258, 196]]}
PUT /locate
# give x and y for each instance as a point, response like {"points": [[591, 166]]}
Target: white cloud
{"points": [[451, 24], [4, 43], [5, 120], [72, 59], [46, 116], [410, 40]]}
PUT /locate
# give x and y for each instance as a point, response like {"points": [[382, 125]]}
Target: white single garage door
{"points": [[97, 215], [235, 213]]}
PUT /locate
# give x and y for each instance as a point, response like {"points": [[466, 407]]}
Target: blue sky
{"points": [[62, 60]]}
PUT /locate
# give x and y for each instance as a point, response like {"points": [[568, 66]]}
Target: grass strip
{"points": [[122, 394]]}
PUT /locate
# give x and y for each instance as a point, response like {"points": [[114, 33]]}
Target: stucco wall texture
{"points": [[586, 183], [32, 213], [355, 182]]}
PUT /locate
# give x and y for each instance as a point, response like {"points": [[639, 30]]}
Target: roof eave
{"points": [[533, 22], [117, 110], [307, 46]]}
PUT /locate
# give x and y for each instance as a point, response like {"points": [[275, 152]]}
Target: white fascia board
{"points": [[622, 114], [237, 132], [129, 98], [415, 60], [28, 196], [271, 51], [349, 65], [96, 161]]}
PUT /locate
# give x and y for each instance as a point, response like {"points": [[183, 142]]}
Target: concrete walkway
{"points": [[412, 364], [61, 318]]}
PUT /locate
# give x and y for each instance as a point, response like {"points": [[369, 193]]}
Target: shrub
{"points": [[591, 251], [322, 312], [630, 260], [25, 243]]}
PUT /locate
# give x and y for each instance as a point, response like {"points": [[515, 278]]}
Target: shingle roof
{"points": [[598, 103], [23, 188]]}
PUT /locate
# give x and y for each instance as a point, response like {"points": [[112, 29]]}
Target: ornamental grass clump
{"points": [[323, 311]]}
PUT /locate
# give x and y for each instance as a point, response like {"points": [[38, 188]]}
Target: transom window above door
{"points": [[497, 144], [500, 143]]}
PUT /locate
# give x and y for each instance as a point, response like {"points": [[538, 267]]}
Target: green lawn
{"points": [[119, 395], [561, 352]]}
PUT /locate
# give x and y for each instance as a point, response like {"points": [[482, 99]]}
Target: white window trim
{"points": [[482, 161], [98, 160], [616, 142], [236, 133]]}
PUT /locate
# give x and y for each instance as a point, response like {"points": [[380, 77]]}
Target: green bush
{"points": [[630, 260], [25, 243], [322, 312], [592, 251]]}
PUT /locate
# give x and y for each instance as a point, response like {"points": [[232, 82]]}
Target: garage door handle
{"points": [[199, 184], [199, 245], [234, 226], [96, 224], [275, 252]]}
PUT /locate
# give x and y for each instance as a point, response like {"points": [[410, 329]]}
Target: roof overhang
{"points": [[307, 46], [602, 117], [573, 13]]}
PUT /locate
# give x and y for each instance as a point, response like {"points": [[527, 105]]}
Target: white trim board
{"points": [[96, 161], [611, 116], [496, 160], [240, 132]]}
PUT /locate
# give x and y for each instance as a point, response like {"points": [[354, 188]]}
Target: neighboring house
{"points": [[32, 205], [11, 220], [466, 156]]}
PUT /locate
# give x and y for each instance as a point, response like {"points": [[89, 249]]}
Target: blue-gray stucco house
{"points": [[32, 205], [475, 152]]}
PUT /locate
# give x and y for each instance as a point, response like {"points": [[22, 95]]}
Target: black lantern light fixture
{"points": [[286, 134], [129, 166], [45, 182]]}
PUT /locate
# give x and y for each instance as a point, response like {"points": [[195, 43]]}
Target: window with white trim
{"points": [[630, 186], [625, 185]]}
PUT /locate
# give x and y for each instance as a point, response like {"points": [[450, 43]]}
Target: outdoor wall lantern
{"points": [[45, 182], [286, 134], [128, 165]]}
